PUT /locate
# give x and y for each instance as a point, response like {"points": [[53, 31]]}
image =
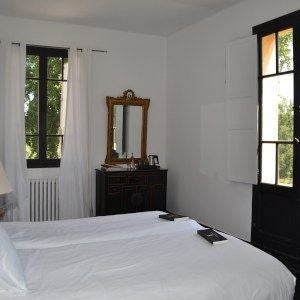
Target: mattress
{"points": [[140, 256]]}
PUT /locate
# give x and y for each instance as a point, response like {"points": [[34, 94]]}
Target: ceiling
{"points": [[158, 17]]}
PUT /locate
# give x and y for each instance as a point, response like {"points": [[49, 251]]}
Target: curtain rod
{"points": [[79, 49]]}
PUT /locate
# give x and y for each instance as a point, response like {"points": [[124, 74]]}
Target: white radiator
{"points": [[44, 202]]}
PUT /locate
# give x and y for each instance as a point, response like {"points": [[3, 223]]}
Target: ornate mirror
{"points": [[127, 128]]}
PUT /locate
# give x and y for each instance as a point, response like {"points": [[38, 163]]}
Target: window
{"points": [[45, 91], [279, 101]]}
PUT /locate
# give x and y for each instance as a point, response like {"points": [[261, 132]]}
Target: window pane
{"points": [[56, 93], [54, 146], [32, 147], [285, 164], [277, 108], [31, 106], [285, 50], [54, 69], [65, 69], [269, 54], [268, 165], [32, 66]]}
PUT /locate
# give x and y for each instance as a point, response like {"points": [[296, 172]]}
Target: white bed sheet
{"points": [[168, 265], [37, 235]]}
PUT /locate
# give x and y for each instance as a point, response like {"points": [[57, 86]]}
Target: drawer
{"points": [[113, 189], [136, 179], [116, 180], [119, 192], [155, 179]]}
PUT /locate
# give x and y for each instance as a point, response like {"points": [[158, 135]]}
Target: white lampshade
{"points": [[5, 186]]}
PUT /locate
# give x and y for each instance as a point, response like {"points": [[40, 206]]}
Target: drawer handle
{"points": [[114, 189]]}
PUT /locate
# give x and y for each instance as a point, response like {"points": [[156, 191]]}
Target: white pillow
{"points": [[11, 274]]}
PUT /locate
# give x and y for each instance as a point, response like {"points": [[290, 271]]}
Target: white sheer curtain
{"points": [[75, 172], [12, 105]]}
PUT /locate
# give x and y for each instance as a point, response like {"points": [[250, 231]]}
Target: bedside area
{"points": [[5, 188], [2, 214]]}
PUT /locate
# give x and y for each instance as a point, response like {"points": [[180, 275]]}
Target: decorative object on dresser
{"points": [[153, 161], [121, 191], [126, 128]]}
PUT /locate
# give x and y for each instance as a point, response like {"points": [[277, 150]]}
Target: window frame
{"points": [[274, 26], [44, 53]]}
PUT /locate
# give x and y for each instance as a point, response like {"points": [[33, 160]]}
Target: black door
{"points": [[276, 197]]}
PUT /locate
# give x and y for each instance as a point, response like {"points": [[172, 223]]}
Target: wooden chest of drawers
{"points": [[120, 192]]}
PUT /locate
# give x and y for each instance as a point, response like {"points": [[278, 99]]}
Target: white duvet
{"points": [[37, 235], [151, 259]]}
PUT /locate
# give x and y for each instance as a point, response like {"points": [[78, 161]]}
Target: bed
{"points": [[139, 256]]}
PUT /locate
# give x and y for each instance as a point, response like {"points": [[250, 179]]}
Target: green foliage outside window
{"points": [[285, 114], [285, 132], [31, 106], [285, 44]]}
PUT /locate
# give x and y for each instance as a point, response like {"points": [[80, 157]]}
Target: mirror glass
{"points": [[127, 131]]}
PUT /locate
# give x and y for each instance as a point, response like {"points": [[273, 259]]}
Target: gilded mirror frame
{"points": [[128, 99]]}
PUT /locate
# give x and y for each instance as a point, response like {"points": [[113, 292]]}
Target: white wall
{"points": [[195, 144], [196, 116], [134, 61]]}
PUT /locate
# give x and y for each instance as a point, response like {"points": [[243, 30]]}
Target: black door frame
{"points": [[273, 200]]}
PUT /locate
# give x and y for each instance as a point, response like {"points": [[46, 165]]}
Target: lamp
{"points": [[5, 186]]}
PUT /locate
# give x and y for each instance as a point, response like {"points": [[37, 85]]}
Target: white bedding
{"points": [[169, 262], [37, 235]]}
